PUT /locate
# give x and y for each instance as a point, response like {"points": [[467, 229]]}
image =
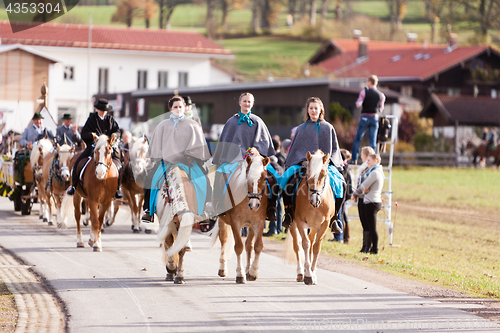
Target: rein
{"points": [[252, 195]]}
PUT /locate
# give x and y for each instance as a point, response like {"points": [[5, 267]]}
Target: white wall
{"points": [[218, 76], [122, 74]]}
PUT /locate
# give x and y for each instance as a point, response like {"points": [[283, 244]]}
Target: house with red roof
{"points": [[93, 60], [414, 69]]}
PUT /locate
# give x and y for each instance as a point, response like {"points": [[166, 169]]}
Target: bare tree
{"points": [[210, 23]]}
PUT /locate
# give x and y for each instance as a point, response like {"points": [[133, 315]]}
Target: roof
{"points": [[117, 38], [7, 48], [467, 110], [393, 60]]}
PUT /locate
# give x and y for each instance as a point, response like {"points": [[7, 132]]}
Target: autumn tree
{"points": [[149, 8], [126, 10]]}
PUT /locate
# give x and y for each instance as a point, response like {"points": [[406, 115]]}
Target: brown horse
{"points": [[40, 149], [476, 148], [248, 192], [314, 207], [56, 177], [177, 218], [134, 167], [100, 180]]}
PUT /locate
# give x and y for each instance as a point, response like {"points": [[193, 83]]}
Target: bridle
{"points": [[252, 195], [97, 163], [313, 191]]}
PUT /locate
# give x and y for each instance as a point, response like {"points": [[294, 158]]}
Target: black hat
{"points": [[103, 105], [67, 116], [187, 100], [37, 115]]}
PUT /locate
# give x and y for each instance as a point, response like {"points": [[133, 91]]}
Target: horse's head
{"points": [[64, 155], [317, 176], [103, 154], [256, 178], [39, 148], [138, 155]]}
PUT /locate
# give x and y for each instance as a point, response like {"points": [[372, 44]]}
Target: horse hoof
{"points": [[85, 223], [148, 231], [240, 280], [179, 280], [97, 249], [50, 223], [109, 223], [80, 244], [308, 280], [136, 231], [300, 277], [222, 273], [170, 277], [251, 278], [91, 243], [45, 219]]}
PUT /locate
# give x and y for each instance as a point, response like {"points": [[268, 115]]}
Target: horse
{"points": [[100, 180], [476, 147], [40, 149], [133, 170], [175, 211], [314, 208], [248, 210], [55, 178]]}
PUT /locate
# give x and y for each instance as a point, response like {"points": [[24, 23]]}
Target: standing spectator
{"points": [[365, 152], [126, 140], [71, 130], [371, 189], [372, 102], [277, 148], [285, 146]]}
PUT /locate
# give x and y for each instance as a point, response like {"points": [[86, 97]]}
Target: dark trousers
{"points": [[370, 211], [362, 216], [85, 155]]}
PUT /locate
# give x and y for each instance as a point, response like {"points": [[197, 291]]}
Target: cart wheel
{"points": [[26, 204], [17, 201]]}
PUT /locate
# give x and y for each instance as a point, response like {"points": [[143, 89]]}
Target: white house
{"points": [[112, 60]]}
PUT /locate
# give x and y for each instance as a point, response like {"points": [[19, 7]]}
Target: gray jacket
{"points": [[70, 134], [30, 134], [374, 182]]}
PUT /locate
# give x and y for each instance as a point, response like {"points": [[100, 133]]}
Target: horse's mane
{"points": [[138, 144], [64, 148], [256, 168], [316, 163], [47, 147], [102, 140]]}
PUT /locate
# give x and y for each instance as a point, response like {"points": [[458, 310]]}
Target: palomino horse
{"points": [[249, 211], [134, 168], [55, 178], [176, 213], [100, 181], [314, 207], [40, 149]]}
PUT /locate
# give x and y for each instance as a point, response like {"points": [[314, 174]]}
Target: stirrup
{"points": [[335, 226], [146, 218]]}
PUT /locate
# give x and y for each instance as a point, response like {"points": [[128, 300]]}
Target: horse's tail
{"points": [[289, 256], [66, 211], [227, 248], [183, 234], [214, 236]]}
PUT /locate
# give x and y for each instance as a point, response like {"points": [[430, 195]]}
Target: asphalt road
{"points": [[123, 288]]}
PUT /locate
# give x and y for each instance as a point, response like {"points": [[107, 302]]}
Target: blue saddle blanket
{"points": [[196, 176], [335, 179]]}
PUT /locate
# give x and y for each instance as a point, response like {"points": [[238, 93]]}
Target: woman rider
{"points": [[315, 133], [177, 140]]}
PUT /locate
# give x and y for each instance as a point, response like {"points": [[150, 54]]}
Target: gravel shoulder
{"points": [[485, 308]]}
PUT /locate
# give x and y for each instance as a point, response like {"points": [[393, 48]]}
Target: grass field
{"points": [[438, 239]]}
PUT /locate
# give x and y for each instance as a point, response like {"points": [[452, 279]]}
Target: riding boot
{"points": [[289, 209], [146, 216], [271, 209], [119, 194], [366, 242], [74, 180]]}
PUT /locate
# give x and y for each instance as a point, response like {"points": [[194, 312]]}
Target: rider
{"points": [[489, 138], [315, 133], [34, 132], [176, 140], [71, 130], [99, 122], [245, 130]]}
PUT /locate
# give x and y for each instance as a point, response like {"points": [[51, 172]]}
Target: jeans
{"points": [[365, 123]]}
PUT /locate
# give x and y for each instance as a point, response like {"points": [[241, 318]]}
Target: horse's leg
{"points": [[76, 203], [103, 207], [94, 222], [179, 278], [316, 248], [296, 248], [49, 208], [171, 265], [248, 249], [223, 237], [253, 274], [306, 243], [238, 249]]}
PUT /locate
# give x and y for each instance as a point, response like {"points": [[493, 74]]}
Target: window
{"points": [[454, 91], [183, 79], [407, 90], [142, 79], [68, 72], [162, 79], [103, 81]]}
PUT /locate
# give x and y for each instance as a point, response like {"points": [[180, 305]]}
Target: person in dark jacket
{"points": [[371, 101], [99, 122], [71, 130]]}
